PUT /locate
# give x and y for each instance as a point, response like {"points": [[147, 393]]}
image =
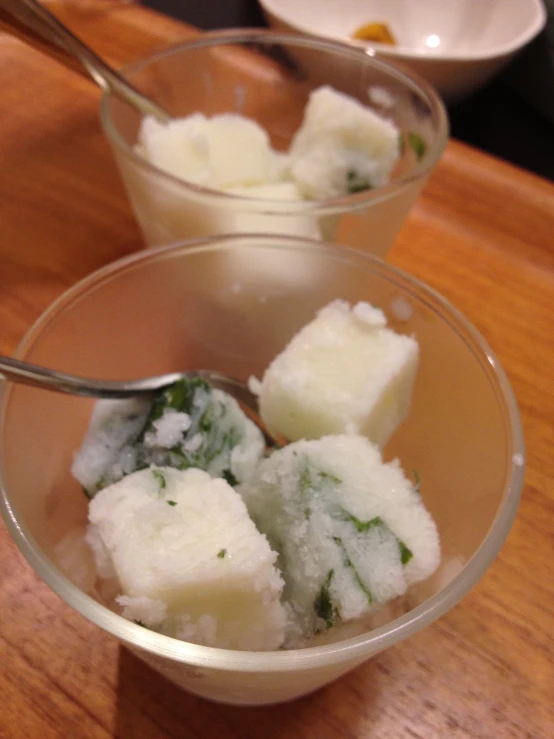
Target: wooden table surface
{"points": [[481, 233]]}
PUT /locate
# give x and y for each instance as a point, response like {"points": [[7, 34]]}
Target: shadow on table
{"points": [[149, 706]]}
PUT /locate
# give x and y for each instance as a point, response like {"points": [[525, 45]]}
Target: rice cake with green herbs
{"points": [[189, 424], [341, 147], [352, 532]]}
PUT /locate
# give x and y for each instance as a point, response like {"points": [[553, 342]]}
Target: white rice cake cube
{"points": [[342, 146], [352, 532], [108, 452], [217, 152], [345, 372], [190, 562], [179, 147], [275, 217], [210, 432], [215, 435], [239, 151]]}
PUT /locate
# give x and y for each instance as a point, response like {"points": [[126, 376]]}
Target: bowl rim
{"points": [[405, 53], [356, 201], [354, 648]]}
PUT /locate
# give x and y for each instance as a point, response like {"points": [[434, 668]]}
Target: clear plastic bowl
{"points": [[268, 77], [231, 303]]}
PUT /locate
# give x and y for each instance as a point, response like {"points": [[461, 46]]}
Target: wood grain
{"points": [[481, 234]]}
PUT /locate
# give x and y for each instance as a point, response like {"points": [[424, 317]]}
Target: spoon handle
{"points": [[33, 23], [61, 382], [48, 379]]}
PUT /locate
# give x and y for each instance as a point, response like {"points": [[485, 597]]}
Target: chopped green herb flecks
{"points": [[207, 437], [323, 605], [171, 502], [405, 553], [231, 479], [417, 482], [178, 396], [160, 478], [330, 477], [312, 479], [364, 526], [206, 424], [348, 563], [305, 480], [356, 183], [221, 553], [418, 145], [361, 526]]}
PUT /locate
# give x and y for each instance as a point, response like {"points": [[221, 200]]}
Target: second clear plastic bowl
{"points": [[268, 77]]}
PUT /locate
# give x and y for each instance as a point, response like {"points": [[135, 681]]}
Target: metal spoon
{"points": [[48, 379], [37, 26], [25, 373]]}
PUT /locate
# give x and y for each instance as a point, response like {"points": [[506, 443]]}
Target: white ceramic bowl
{"points": [[457, 45]]}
